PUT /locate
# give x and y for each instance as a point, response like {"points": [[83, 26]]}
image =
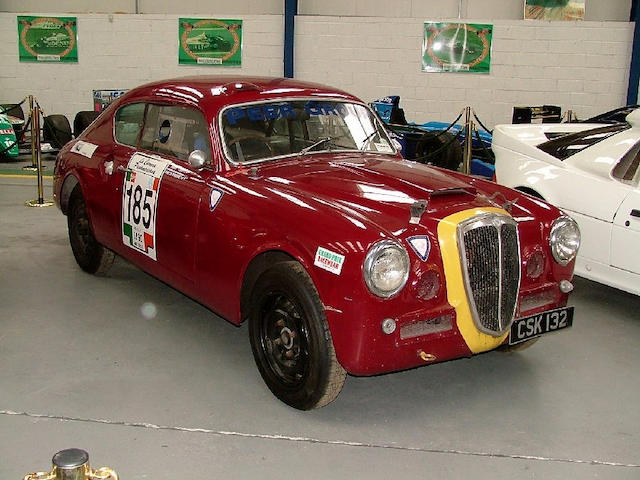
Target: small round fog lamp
{"points": [[429, 285], [388, 326], [535, 265]]}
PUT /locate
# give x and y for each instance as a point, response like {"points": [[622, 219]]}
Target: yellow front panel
{"points": [[456, 293]]}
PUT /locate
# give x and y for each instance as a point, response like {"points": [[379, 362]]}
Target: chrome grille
{"points": [[491, 268]]}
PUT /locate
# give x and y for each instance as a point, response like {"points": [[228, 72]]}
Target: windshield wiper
{"points": [[366, 141], [322, 141]]}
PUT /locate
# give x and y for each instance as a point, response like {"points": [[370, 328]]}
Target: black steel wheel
{"points": [[290, 339], [90, 255]]}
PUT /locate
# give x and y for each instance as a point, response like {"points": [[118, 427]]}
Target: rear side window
{"points": [[128, 123], [176, 131]]}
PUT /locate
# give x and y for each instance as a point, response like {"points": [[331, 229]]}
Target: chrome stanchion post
{"points": [[35, 145], [468, 139], [34, 165], [72, 464]]}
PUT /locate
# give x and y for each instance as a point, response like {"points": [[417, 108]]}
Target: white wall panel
{"points": [[578, 65], [67, 6], [596, 10], [182, 7], [583, 66], [123, 51]]}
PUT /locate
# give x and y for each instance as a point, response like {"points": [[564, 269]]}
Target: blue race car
{"points": [[436, 143]]}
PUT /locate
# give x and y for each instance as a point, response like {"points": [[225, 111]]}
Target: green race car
{"points": [[8, 140]]}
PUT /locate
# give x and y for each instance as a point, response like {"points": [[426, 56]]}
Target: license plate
{"points": [[535, 325]]}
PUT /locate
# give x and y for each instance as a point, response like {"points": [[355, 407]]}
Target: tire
{"points": [[82, 120], [13, 109], [91, 256], [290, 339], [56, 130], [450, 157], [518, 347]]}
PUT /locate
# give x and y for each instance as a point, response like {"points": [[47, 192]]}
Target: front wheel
{"points": [[290, 339], [90, 255]]}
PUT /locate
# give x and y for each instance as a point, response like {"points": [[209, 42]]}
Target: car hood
{"points": [[371, 188]]}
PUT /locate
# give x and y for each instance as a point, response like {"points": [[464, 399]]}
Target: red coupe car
{"points": [[286, 204]]}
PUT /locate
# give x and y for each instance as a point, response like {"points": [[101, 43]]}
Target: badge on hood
{"points": [[421, 245]]}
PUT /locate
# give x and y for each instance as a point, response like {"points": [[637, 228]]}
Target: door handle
{"points": [[124, 169], [635, 213]]}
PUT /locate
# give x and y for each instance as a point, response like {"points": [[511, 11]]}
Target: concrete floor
{"points": [[177, 395]]}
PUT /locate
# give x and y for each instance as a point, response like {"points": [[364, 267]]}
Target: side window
{"points": [[176, 131], [128, 123]]}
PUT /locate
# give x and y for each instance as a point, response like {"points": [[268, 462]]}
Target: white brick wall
{"points": [[122, 53], [583, 66]]}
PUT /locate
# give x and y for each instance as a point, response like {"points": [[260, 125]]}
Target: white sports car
{"points": [[592, 172]]}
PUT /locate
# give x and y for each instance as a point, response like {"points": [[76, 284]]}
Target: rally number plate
{"points": [[533, 326], [140, 191]]}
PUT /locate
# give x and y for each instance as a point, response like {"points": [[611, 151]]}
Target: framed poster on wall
{"points": [[554, 9], [47, 39], [210, 42], [456, 47]]}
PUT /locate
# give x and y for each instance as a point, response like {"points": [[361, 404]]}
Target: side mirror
{"points": [[396, 144], [197, 159]]}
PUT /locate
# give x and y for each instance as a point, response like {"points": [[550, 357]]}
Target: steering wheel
{"points": [[250, 144]]}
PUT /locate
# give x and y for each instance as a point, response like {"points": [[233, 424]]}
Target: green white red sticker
{"points": [[140, 201], [329, 261]]}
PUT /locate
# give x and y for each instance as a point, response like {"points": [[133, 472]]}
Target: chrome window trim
{"points": [[483, 220], [324, 98], [138, 148], [113, 122]]}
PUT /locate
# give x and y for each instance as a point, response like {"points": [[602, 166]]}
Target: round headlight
{"points": [[564, 240], [386, 268]]}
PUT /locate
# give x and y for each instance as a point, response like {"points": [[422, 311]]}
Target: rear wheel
{"points": [[290, 339], [90, 255]]}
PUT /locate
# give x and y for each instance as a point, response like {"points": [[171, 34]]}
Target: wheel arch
{"points": [[69, 185], [256, 267]]}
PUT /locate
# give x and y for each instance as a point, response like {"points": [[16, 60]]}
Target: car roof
{"points": [[212, 92]]}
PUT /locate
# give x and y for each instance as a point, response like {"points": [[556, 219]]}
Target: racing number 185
{"points": [[140, 205]]}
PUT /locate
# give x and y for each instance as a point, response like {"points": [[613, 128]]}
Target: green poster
{"points": [[456, 47], [48, 39], [210, 42], [554, 9]]}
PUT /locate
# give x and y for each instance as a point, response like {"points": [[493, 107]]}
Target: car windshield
{"points": [[266, 130]]}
